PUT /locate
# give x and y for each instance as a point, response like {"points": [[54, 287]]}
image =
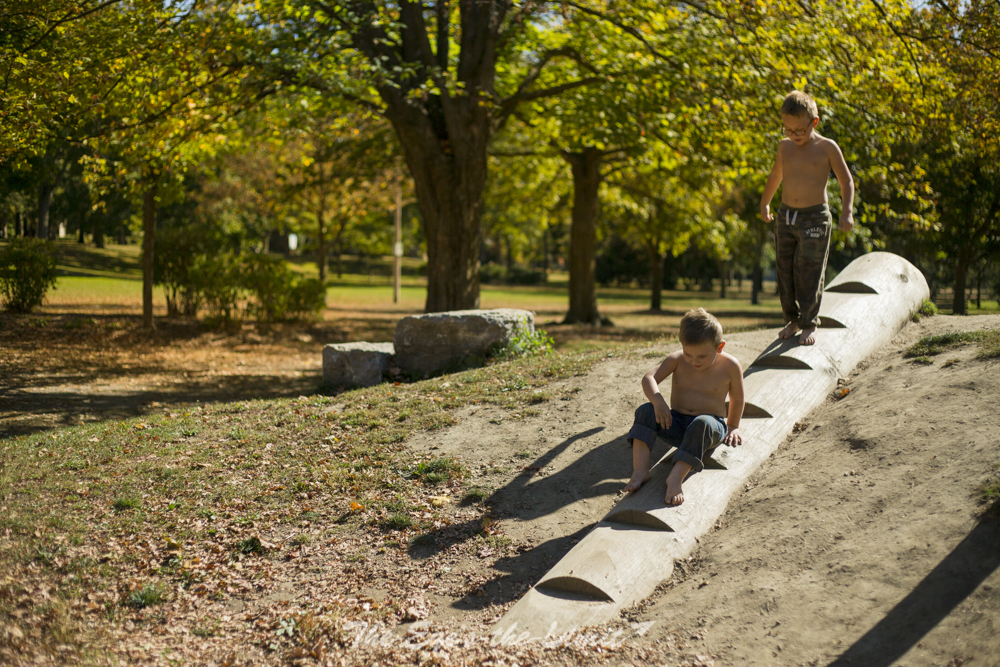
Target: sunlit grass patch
{"points": [[988, 340], [439, 470], [476, 494], [989, 493], [146, 596], [125, 503]]}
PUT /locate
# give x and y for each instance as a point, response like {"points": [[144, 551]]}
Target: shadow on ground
{"points": [[952, 581]]}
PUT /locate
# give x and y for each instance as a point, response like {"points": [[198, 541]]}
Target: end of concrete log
{"points": [[352, 365]]}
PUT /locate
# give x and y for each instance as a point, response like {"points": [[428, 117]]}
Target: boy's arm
{"points": [[839, 166], [773, 181], [736, 402], [651, 387]]}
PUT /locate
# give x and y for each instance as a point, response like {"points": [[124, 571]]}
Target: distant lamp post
{"points": [[397, 248]]}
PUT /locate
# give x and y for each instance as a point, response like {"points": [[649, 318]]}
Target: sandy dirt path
{"points": [[859, 542]]}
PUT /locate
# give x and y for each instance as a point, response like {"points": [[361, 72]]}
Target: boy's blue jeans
{"points": [[698, 435]]}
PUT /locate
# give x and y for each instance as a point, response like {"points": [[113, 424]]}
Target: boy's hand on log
{"points": [[734, 438], [662, 411]]}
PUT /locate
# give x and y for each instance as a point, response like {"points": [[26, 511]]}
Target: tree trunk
{"points": [[656, 275], [44, 204], [545, 255], [586, 167], [961, 276], [449, 184], [723, 278], [148, 237], [18, 225], [758, 283], [98, 231]]}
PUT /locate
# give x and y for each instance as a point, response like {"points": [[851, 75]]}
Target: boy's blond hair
{"points": [[798, 103], [699, 326]]}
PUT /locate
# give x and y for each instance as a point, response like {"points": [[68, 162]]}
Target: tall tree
{"points": [[431, 69]]}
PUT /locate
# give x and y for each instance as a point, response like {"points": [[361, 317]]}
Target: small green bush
{"points": [[438, 470], [125, 503], [527, 343], [928, 308], [27, 273], [399, 521], [149, 595], [200, 268]]}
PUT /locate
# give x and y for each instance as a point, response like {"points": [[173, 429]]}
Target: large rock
{"points": [[436, 342], [356, 364]]}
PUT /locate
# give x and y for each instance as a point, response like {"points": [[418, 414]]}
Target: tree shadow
{"points": [[944, 588], [598, 472]]}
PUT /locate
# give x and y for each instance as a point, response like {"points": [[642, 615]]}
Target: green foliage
{"points": [[989, 494], [494, 274], [195, 273], [276, 293], [27, 273], [476, 494], [438, 470], [927, 309], [525, 343], [399, 521], [125, 503], [251, 545], [923, 349], [147, 596]]}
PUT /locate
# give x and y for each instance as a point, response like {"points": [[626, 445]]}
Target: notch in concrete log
{"points": [[827, 322], [576, 587], [781, 361], [752, 411], [710, 462], [634, 517], [852, 287]]}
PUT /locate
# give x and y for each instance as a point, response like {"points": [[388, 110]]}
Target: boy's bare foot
{"points": [[639, 477], [788, 331], [808, 336], [674, 495]]}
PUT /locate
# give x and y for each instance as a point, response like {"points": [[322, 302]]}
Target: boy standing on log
{"points": [[803, 225], [702, 376]]}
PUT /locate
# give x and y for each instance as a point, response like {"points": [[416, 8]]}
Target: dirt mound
{"points": [[859, 542]]}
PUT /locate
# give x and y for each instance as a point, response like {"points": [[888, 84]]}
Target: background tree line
{"points": [[524, 134]]}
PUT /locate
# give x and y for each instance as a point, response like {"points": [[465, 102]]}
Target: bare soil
{"points": [[860, 542]]}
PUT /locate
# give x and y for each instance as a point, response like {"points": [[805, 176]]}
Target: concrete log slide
{"points": [[631, 550]]}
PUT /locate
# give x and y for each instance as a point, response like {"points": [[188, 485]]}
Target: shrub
{"points": [[307, 298], [196, 270], [276, 293], [147, 596], [527, 343], [27, 273]]}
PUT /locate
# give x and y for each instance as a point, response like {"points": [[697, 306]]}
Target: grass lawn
{"points": [[111, 532]]}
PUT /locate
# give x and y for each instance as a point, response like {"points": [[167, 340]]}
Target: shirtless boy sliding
{"points": [[802, 229], [702, 376]]}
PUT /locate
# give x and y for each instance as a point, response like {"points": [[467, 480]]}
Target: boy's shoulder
{"points": [[729, 359]]}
